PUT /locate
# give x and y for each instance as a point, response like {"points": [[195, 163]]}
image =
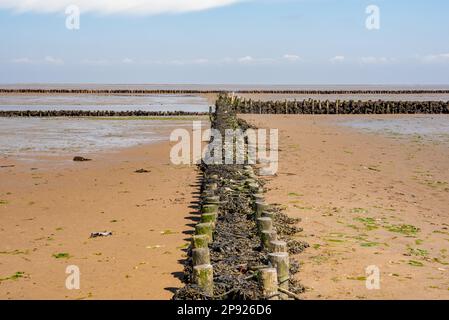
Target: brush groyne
{"points": [[312, 106], [241, 246]]}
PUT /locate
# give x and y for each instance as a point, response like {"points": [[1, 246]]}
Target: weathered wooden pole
{"points": [[267, 237], [268, 279], [268, 214], [209, 217], [264, 224], [200, 256], [200, 241], [212, 200], [203, 276], [206, 229], [280, 261], [258, 197], [260, 207], [209, 208], [278, 246]]}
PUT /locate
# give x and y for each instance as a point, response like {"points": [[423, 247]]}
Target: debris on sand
{"points": [[81, 159], [101, 234], [142, 171]]}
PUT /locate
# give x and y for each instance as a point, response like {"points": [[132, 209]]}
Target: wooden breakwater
{"points": [[241, 245], [222, 91], [96, 113], [312, 106]]}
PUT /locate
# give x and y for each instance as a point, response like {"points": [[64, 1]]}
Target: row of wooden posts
{"points": [[313, 106], [218, 91], [95, 113], [274, 279]]}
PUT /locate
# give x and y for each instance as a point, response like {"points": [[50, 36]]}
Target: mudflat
{"points": [[50, 206], [365, 199]]}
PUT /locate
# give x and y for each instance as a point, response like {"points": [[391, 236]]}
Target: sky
{"points": [[304, 42]]}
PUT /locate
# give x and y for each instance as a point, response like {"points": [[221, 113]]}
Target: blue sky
{"points": [[229, 41]]}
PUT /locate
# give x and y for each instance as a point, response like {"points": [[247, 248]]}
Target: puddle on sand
{"points": [[430, 127]]}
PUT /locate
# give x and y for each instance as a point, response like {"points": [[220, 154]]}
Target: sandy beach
{"points": [[50, 206], [365, 199]]}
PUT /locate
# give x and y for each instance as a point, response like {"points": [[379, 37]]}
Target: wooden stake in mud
{"points": [[200, 256], [203, 276], [267, 237], [212, 200], [258, 197], [260, 207], [280, 261], [209, 217], [268, 214], [209, 208], [269, 282], [264, 224], [278, 246], [200, 241], [206, 229]]}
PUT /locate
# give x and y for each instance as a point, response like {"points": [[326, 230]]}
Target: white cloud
{"points": [[337, 59], [291, 57], [375, 60], [98, 62], [128, 61], [441, 57], [200, 61], [116, 6], [46, 60], [252, 60], [22, 60], [52, 60], [246, 59]]}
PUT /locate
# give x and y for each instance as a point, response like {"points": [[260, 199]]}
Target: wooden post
{"points": [[269, 282], [260, 207], [205, 228], [200, 241], [212, 200], [200, 256], [209, 208], [280, 261], [278, 246], [209, 217], [267, 237], [258, 197], [264, 224], [268, 214], [203, 276]]}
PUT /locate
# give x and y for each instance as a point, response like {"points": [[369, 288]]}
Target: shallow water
{"points": [[58, 136], [104, 102], [432, 127]]}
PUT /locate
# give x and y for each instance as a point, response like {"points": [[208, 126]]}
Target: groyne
{"points": [[312, 106], [96, 113], [241, 246], [218, 91]]}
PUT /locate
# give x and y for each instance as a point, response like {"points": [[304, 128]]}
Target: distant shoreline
{"points": [[216, 88]]}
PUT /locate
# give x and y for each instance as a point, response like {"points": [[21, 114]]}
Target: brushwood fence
{"points": [[312, 106]]}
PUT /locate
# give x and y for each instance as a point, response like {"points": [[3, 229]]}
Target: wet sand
{"points": [[49, 207], [364, 199]]}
